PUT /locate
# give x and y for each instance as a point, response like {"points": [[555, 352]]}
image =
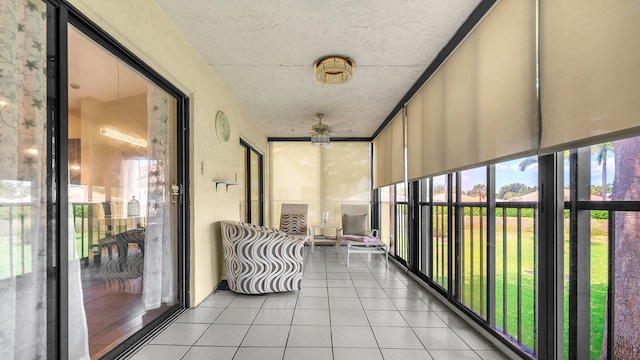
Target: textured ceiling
{"points": [[264, 52]]}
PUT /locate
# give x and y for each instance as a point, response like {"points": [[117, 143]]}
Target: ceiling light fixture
{"points": [[320, 136], [115, 134], [334, 70]]}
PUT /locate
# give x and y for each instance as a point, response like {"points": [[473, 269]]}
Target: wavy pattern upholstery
{"points": [[261, 260], [293, 223]]}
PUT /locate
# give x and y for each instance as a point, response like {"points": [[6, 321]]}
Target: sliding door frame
{"points": [[248, 177], [60, 14]]}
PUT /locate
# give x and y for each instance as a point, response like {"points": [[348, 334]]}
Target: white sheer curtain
{"points": [[158, 258], [78, 328], [23, 192], [23, 296]]}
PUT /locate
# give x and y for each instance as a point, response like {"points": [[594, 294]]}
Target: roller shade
{"points": [[388, 154], [480, 105], [590, 72]]}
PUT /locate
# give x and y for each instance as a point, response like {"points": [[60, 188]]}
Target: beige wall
{"points": [[146, 31], [324, 177]]}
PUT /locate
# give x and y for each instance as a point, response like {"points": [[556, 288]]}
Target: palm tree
{"points": [[480, 190], [601, 155], [528, 162]]}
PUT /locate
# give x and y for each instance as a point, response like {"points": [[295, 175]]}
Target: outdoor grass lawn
{"points": [[475, 296]]}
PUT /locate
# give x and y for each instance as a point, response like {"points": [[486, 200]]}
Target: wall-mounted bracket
{"points": [[225, 182]]}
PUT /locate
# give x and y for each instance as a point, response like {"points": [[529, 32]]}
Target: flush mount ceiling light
{"points": [[320, 135], [334, 70]]}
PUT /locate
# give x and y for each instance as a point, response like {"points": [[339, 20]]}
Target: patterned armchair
{"points": [[260, 260], [293, 220]]}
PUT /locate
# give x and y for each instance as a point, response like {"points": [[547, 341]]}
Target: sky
{"points": [[509, 172]]}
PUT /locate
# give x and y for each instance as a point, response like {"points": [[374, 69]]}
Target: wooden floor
{"points": [[112, 314]]}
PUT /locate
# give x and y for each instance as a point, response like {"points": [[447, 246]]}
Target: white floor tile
{"points": [[209, 352], [410, 304], [223, 335], [454, 355], [309, 336], [338, 276], [311, 317], [372, 293], [314, 276], [471, 337], [345, 304], [400, 293], [203, 315], [366, 284], [236, 316], [313, 292], [423, 319], [314, 283], [306, 353], [342, 293], [362, 276], [353, 337], [349, 317], [288, 302], [267, 316], [396, 338], [315, 303], [377, 304], [248, 301], [392, 284], [340, 283], [435, 304], [405, 354], [385, 318], [153, 352], [218, 299], [180, 334], [258, 353], [357, 353], [451, 319], [440, 339], [266, 335]]}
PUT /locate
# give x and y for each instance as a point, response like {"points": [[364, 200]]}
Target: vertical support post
{"points": [[550, 258], [450, 239], [457, 254], [579, 256], [491, 247], [429, 243], [612, 286]]}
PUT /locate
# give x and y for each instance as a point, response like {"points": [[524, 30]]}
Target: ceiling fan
{"points": [[320, 132]]}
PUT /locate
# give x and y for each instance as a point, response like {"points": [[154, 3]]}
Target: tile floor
{"points": [[365, 311]]}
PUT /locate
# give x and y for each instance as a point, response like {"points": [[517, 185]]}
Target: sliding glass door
{"points": [[251, 185], [122, 165]]}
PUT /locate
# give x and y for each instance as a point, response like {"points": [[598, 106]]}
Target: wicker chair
{"points": [[260, 260]]}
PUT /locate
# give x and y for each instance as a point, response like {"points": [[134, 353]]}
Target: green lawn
{"points": [[473, 292]]}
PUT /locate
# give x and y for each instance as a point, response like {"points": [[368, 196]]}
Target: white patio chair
{"points": [[357, 233]]}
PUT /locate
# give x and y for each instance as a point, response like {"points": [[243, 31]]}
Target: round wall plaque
{"points": [[223, 129]]}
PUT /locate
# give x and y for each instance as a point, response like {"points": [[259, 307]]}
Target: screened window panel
{"points": [[388, 154], [325, 177], [589, 56], [483, 96]]}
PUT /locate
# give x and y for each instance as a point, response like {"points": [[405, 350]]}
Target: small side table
{"points": [[324, 226], [371, 247]]}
